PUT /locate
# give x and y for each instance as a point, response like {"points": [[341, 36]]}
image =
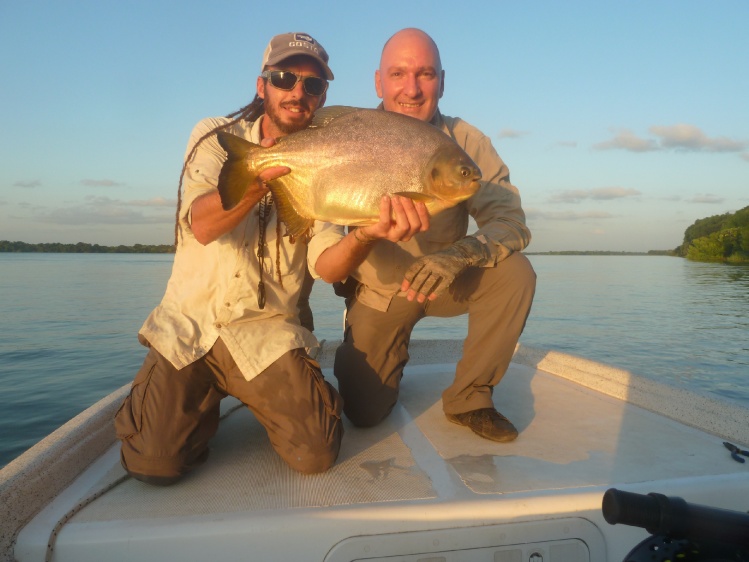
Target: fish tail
{"points": [[235, 175]]}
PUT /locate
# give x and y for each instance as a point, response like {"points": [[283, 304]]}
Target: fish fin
{"points": [[414, 196], [235, 176], [325, 115], [297, 225]]}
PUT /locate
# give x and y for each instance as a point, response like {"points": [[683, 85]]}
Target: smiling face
{"points": [[410, 79], [288, 111]]}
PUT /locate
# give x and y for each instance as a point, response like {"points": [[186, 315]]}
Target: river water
{"points": [[68, 335]]}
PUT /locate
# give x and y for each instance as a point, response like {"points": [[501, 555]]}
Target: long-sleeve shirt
{"points": [[212, 291], [495, 207]]}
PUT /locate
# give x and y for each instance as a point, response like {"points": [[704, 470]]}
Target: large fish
{"points": [[345, 162]]}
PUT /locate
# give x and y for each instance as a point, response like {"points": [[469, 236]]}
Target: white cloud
{"points": [[31, 183], [567, 144], [691, 138], [598, 194], [101, 183], [537, 214], [680, 137], [706, 198], [511, 134], [104, 210], [155, 202], [627, 140]]}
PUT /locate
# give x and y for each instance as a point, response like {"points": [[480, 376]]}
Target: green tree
{"points": [[706, 248]]}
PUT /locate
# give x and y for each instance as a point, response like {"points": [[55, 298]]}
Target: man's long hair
{"points": [[249, 112]]}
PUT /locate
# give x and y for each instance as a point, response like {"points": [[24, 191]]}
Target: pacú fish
{"points": [[345, 162]]}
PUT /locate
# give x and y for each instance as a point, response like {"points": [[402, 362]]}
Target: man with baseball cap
{"points": [[228, 322]]}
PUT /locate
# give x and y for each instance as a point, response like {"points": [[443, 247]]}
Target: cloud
{"points": [[706, 198], [536, 214], [511, 134], [627, 140], [31, 183], [101, 183], [104, 210], [155, 202], [680, 137], [103, 200], [567, 144], [599, 194], [690, 138], [745, 156]]}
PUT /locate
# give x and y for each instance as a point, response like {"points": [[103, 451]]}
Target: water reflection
{"points": [[677, 321], [682, 322]]}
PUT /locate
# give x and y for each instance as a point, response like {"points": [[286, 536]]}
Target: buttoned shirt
{"points": [[212, 291], [495, 207]]}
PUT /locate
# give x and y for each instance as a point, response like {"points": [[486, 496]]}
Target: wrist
{"points": [[473, 250], [362, 238]]}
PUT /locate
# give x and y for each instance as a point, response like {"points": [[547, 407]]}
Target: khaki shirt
{"points": [[212, 291], [495, 207]]}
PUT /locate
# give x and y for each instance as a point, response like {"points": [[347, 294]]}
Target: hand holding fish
{"points": [[269, 174], [210, 220], [400, 219]]}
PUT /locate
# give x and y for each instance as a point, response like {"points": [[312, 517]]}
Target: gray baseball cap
{"points": [[288, 45]]}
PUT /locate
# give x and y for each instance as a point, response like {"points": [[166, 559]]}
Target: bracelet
{"points": [[365, 241]]}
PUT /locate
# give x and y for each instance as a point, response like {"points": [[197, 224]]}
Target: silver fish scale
{"points": [[340, 171]]}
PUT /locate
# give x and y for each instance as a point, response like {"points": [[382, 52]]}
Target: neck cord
{"points": [[264, 208]]}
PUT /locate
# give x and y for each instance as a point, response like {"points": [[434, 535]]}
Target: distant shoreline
{"points": [[85, 248], [603, 253]]}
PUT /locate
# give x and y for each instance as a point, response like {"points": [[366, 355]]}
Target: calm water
{"points": [[68, 336]]}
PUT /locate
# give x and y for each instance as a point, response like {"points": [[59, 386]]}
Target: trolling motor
{"points": [[680, 530]]}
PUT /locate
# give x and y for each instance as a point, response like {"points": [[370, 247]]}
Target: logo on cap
{"points": [[304, 37]]}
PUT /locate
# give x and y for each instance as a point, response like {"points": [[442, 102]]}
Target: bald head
{"points": [[408, 37], [410, 79]]}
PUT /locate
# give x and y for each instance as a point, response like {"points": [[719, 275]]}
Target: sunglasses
{"points": [[286, 80]]}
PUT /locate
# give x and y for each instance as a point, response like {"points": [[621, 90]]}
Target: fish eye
{"points": [[465, 171]]}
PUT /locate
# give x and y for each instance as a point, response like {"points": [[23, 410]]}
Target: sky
{"points": [[621, 122]]}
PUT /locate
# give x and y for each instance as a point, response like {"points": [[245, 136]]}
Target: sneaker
{"points": [[486, 422]]}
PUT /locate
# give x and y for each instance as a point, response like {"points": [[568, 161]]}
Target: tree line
{"points": [[85, 248], [720, 238]]}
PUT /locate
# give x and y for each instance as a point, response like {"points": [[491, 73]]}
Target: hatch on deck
{"points": [[554, 540]]}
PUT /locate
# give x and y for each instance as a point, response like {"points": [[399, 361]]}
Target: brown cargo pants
{"points": [[369, 363], [170, 415]]}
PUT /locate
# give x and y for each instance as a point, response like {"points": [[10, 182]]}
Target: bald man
{"points": [[440, 272]]}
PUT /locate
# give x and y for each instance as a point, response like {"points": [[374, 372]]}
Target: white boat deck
{"points": [[417, 487]]}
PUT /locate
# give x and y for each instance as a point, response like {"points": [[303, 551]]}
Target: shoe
{"points": [[488, 423]]}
